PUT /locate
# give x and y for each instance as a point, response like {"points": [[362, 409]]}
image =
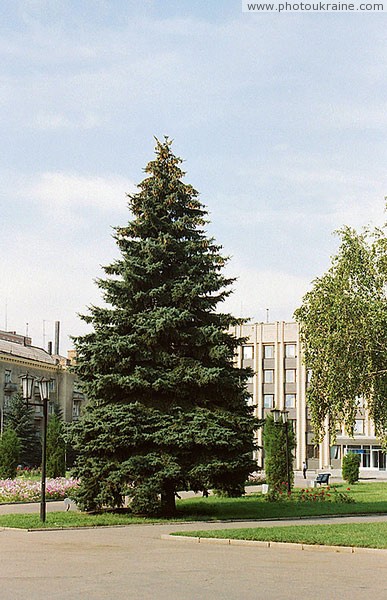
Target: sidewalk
{"points": [[336, 475], [127, 563], [33, 507]]}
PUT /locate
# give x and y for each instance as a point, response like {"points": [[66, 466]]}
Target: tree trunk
{"points": [[168, 501]]}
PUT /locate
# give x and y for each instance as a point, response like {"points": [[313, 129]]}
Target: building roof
{"points": [[28, 352]]}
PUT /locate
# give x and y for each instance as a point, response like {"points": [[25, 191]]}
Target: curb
{"points": [[265, 544]]}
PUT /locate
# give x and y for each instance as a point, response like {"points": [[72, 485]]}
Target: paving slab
{"points": [[135, 563]]}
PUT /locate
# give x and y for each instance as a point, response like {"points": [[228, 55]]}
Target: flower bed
{"points": [[328, 494], [24, 490]]}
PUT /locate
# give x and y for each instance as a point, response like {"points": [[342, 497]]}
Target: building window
{"points": [[359, 427], [268, 376], [76, 409], [249, 401], [335, 452], [268, 352], [312, 451], [250, 380], [247, 352], [7, 376], [293, 425], [268, 400], [366, 456], [290, 350], [359, 401], [290, 400], [290, 376]]}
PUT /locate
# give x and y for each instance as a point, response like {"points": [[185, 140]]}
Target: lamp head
{"points": [[44, 389], [27, 386]]}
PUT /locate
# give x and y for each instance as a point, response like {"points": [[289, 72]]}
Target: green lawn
{"points": [[71, 519], [367, 535], [369, 498]]}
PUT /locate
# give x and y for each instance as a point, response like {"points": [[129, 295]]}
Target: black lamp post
{"points": [[44, 391], [277, 414]]}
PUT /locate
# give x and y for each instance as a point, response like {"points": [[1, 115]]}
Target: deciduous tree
{"points": [[343, 324]]}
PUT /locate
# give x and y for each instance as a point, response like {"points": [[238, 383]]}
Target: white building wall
{"points": [[279, 334]]}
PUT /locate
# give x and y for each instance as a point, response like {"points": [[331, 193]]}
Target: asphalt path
{"points": [[135, 563]]}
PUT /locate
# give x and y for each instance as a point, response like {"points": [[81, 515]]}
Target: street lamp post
{"points": [[44, 391], [277, 414]]}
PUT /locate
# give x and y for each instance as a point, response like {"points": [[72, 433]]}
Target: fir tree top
{"points": [[160, 324]]}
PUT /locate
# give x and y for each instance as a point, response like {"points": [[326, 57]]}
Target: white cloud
{"points": [[56, 121], [71, 191], [257, 291], [50, 280]]}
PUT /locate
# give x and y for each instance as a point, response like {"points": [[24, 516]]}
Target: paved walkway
{"points": [[133, 562]]}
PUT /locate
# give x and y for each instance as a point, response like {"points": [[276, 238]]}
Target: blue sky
{"points": [[281, 121]]}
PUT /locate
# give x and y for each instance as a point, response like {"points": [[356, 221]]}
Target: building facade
{"points": [[17, 357], [274, 352]]}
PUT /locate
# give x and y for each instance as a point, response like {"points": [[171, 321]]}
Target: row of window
{"points": [[268, 401], [268, 376], [8, 379], [38, 409], [268, 351], [370, 456]]}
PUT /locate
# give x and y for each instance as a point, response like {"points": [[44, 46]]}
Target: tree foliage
{"points": [[351, 467], [20, 418], [9, 453], [56, 449], [343, 325], [167, 409], [278, 454]]}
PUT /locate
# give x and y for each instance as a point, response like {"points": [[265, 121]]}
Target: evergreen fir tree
{"points": [[20, 417], [56, 449], [167, 408], [9, 453]]}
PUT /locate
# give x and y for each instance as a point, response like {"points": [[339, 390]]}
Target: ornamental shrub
{"points": [[351, 466], [276, 460]]}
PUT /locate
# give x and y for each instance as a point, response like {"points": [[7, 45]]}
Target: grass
{"points": [[370, 498], [365, 535], [71, 519]]}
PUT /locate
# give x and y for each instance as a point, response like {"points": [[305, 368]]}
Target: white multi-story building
{"points": [[274, 352]]}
